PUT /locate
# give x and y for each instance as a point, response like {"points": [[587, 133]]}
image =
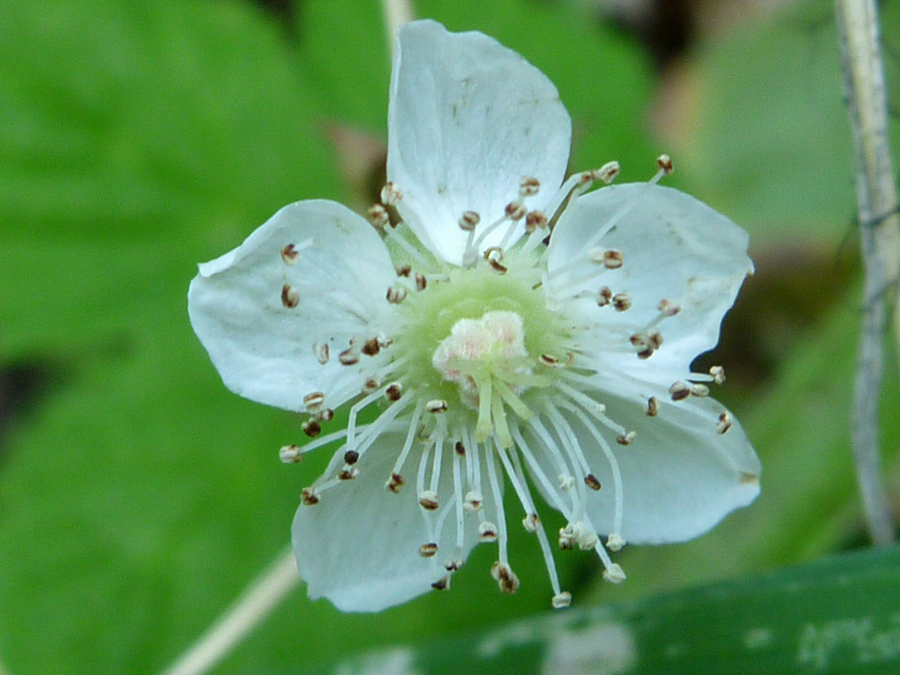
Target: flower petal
{"points": [[675, 248], [314, 274], [359, 546], [468, 118], [680, 476]]}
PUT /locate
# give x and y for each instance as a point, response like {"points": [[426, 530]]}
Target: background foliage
{"points": [[138, 497]]}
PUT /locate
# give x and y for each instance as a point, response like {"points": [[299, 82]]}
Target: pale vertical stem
{"points": [[857, 22], [396, 13], [269, 589]]}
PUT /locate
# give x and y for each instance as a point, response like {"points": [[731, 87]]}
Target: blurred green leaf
{"points": [[759, 126], [838, 615]]}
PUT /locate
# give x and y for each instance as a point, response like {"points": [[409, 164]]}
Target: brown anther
{"points": [[289, 254], [668, 308], [370, 385], [645, 354], [591, 481], [321, 352], [626, 438], [391, 194], [487, 532], [638, 340], [379, 216], [395, 482], [290, 298], [725, 422], [535, 220], [403, 270], [351, 457], [393, 392], [655, 340], [348, 473], [396, 294], [442, 584], [473, 501], [516, 210], [604, 296], [324, 415], [290, 454], [469, 221], [311, 428], [313, 401], [428, 500], [531, 522], [460, 449], [494, 258], [371, 347], [621, 302], [652, 406], [718, 374], [664, 162], [607, 173], [421, 281], [453, 564], [679, 390], [505, 577], [436, 406], [529, 186], [699, 390], [585, 178], [428, 550], [549, 361], [309, 497], [613, 259], [349, 357]]}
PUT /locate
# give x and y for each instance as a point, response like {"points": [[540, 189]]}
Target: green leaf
{"points": [[759, 126], [838, 615]]}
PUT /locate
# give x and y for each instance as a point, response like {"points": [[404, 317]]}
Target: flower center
{"points": [[477, 341], [486, 358]]}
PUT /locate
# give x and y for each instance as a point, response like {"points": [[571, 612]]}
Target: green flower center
{"points": [[482, 342]]}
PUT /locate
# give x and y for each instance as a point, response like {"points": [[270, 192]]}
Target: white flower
{"points": [[473, 354]]}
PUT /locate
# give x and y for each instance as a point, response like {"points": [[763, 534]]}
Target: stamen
{"points": [[608, 172], [618, 494], [487, 532], [666, 167], [529, 186], [391, 194], [516, 477], [458, 500], [497, 496], [420, 490], [321, 352], [379, 217], [505, 577], [290, 454], [718, 374], [290, 254], [725, 422], [436, 464], [538, 473], [395, 481], [290, 298]]}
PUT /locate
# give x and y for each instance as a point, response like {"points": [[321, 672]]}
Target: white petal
{"points": [[680, 476], [263, 348], [675, 248], [359, 546], [468, 118]]}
